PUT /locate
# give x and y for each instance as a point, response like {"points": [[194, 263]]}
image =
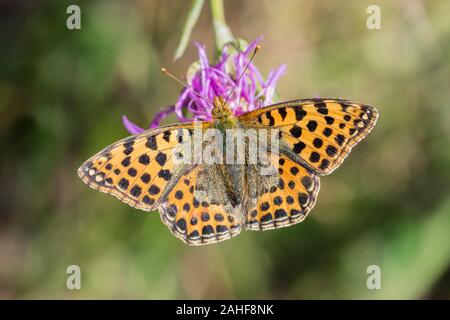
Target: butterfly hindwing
{"points": [[319, 131], [194, 217], [287, 201], [136, 169]]}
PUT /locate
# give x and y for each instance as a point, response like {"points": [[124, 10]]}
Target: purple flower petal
{"points": [[253, 45], [131, 127], [251, 90], [161, 115]]}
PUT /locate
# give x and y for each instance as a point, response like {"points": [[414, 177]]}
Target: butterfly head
{"points": [[222, 112]]}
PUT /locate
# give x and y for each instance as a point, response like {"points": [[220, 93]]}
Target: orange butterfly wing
{"points": [[319, 132], [137, 169], [288, 201], [315, 137], [197, 221]]}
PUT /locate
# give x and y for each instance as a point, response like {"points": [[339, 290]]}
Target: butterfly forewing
{"points": [[319, 132], [137, 169]]}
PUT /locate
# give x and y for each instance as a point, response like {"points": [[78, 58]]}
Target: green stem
{"points": [[222, 34], [191, 19]]}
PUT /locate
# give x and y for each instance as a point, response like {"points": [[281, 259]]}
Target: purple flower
{"points": [[208, 81]]}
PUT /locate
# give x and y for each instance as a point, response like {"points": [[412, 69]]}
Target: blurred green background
{"points": [[63, 92]]}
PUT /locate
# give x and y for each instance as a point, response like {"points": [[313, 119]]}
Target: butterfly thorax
{"points": [[222, 114]]}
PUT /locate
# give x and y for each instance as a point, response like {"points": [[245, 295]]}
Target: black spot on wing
{"points": [[296, 131], [283, 113], [151, 143], [166, 135], [270, 118], [299, 113], [161, 158]]}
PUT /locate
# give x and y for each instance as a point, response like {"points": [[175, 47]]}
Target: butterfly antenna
{"points": [[257, 48], [184, 84]]}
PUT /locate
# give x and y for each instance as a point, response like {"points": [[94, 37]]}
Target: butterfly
{"points": [[203, 203]]}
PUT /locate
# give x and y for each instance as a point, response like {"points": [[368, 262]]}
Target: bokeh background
{"points": [[62, 95]]}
